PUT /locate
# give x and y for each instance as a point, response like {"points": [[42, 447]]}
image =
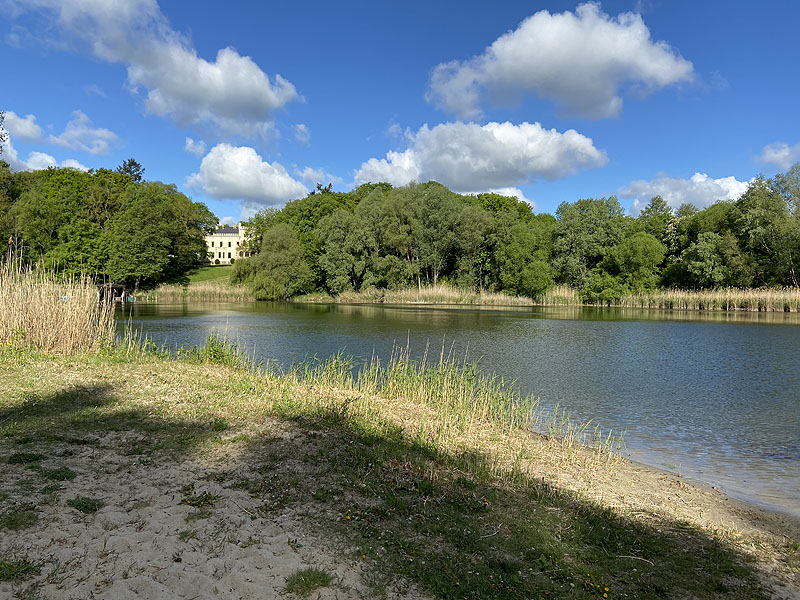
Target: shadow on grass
{"points": [[452, 527], [445, 522], [85, 413]]}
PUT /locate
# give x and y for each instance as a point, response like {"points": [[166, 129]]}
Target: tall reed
{"points": [[753, 299], [447, 399], [39, 310], [432, 294], [202, 291]]}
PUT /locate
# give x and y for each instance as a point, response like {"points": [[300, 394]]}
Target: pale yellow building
{"points": [[226, 245]]}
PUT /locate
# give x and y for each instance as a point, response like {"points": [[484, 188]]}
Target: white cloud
{"points": [[582, 61], [513, 192], [198, 148], [22, 127], [230, 221], [302, 134], [35, 160], [74, 164], [700, 190], [315, 176], [80, 135], [780, 154], [239, 173], [231, 91], [467, 157]]}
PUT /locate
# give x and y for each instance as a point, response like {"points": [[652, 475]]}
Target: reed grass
{"points": [[57, 315], [560, 295], [433, 294], [201, 291], [458, 400], [726, 299]]}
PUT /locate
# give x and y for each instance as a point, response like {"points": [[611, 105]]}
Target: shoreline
{"points": [[212, 423]]}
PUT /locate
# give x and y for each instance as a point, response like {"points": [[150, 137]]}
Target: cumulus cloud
{"points": [[700, 190], [467, 157], [229, 221], [22, 127], [80, 135], [198, 148], [582, 61], [231, 91], [314, 176], [239, 173], [780, 154], [35, 161]]}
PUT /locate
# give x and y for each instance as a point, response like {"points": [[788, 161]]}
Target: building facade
{"points": [[226, 245]]}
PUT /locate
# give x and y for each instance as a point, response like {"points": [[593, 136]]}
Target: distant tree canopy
{"points": [[379, 236], [113, 225], [101, 223]]}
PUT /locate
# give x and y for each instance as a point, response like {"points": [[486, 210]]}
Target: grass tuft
{"points": [[17, 569], [24, 458], [306, 581], [86, 505]]}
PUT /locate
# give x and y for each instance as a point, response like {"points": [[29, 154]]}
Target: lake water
{"points": [[713, 396]]}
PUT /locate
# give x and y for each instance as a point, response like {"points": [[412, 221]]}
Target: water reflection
{"points": [[715, 396]]}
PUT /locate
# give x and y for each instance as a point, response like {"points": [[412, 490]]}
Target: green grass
{"points": [[213, 273], [17, 569], [86, 505], [306, 581], [58, 474], [22, 458], [424, 472], [19, 517]]}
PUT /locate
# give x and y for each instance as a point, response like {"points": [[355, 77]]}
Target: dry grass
{"points": [[560, 295], [433, 294], [40, 311], [201, 291], [758, 299]]}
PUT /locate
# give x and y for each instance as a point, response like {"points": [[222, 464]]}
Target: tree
{"points": [[584, 233], [348, 248], [131, 168], [279, 271], [655, 217], [637, 260], [523, 259], [158, 234]]}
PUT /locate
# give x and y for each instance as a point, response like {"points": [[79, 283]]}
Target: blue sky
{"points": [[248, 105]]}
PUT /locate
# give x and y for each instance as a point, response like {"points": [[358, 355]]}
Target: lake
{"points": [[712, 396]]}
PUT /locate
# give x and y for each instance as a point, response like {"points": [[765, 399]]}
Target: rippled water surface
{"points": [[715, 397]]}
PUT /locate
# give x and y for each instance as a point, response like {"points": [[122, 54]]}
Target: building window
{"points": [[212, 244], [229, 254], [229, 244]]}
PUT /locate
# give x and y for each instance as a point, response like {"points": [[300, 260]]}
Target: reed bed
{"points": [[727, 299], [432, 294], [560, 295], [39, 310], [202, 291]]}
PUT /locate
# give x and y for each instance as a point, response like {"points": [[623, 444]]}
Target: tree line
{"points": [[379, 236], [109, 224]]}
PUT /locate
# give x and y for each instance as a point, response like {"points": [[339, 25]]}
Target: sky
{"points": [[245, 106]]}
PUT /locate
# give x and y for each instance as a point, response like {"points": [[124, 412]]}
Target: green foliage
{"points": [[585, 232], [17, 569], [158, 234], [305, 581], [279, 271], [132, 169], [86, 505]]}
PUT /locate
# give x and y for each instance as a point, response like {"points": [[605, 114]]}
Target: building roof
{"points": [[233, 230]]}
